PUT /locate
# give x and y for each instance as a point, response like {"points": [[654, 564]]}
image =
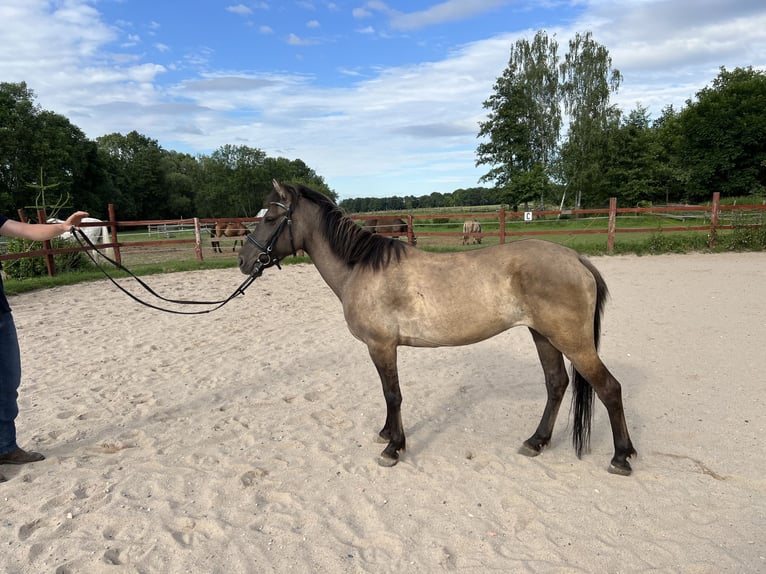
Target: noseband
{"points": [[265, 258]]}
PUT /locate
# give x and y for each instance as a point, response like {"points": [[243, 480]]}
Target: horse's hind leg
{"points": [[556, 381], [384, 358], [609, 391]]}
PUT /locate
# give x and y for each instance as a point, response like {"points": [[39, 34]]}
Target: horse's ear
{"points": [[279, 189]]}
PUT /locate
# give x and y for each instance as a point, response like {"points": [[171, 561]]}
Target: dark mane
{"points": [[354, 245]]}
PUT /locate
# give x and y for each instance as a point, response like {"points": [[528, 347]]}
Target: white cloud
{"points": [[449, 11], [240, 9], [295, 40], [361, 13]]}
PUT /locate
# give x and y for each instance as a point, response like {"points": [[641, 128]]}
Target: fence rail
{"points": [[508, 224]]}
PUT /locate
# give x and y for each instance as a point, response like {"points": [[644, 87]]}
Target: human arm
{"points": [[41, 231]]}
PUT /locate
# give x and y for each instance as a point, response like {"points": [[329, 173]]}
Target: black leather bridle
{"points": [[266, 258]]}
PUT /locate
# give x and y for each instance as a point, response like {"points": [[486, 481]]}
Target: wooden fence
{"points": [[161, 232]]}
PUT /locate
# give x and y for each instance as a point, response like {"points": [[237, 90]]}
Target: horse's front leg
{"points": [[384, 358], [556, 382]]}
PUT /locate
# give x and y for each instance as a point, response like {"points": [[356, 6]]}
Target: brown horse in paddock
{"points": [[233, 229], [471, 229], [394, 294], [389, 225]]}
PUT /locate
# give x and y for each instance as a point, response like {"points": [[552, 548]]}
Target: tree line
{"points": [[45, 160], [551, 137]]}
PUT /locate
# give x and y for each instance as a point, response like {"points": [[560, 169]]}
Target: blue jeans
{"points": [[10, 378]]}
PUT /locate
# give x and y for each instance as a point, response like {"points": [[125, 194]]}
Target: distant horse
{"points": [[394, 294], [234, 229], [97, 233], [389, 225], [471, 228]]}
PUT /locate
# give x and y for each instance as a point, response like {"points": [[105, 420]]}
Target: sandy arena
{"points": [[242, 440]]}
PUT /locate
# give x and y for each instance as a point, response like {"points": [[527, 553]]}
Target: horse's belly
{"points": [[452, 326]]}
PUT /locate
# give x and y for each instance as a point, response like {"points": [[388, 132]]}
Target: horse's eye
{"points": [[268, 219]]}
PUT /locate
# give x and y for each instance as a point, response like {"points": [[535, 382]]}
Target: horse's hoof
{"points": [[620, 468], [387, 461], [527, 450]]}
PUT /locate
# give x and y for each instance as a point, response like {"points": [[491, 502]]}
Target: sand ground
{"points": [[242, 440]]}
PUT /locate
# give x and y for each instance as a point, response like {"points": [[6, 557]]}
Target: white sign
{"points": [[527, 216]]}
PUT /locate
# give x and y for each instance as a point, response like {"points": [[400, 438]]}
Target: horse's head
{"points": [[274, 237]]}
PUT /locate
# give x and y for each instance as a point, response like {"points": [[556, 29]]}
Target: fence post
{"points": [[612, 225], [713, 235], [410, 231], [113, 233], [197, 240], [50, 264], [502, 224]]}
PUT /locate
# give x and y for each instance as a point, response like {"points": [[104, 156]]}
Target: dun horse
{"points": [[236, 229], [471, 229], [394, 294]]}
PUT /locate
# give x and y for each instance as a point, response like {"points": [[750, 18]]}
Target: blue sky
{"points": [[380, 98]]}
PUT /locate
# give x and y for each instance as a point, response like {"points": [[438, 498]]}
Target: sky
{"points": [[380, 98]]}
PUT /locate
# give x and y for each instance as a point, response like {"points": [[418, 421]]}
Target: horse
{"points": [[96, 233], [389, 225], [471, 228], [234, 229], [394, 294]]}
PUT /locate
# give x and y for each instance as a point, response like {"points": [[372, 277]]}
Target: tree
{"points": [[182, 175], [135, 164], [634, 167], [234, 182], [587, 82], [672, 173], [35, 144], [524, 121], [722, 136]]}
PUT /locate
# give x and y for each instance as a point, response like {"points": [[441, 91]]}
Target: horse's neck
{"points": [[332, 268], [334, 271]]}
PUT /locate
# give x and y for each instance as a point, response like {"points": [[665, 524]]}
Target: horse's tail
{"points": [[582, 391]]}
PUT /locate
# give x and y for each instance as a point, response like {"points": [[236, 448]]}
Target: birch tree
{"points": [[588, 80], [524, 121]]}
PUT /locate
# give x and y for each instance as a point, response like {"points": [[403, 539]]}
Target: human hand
{"points": [[75, 219]]}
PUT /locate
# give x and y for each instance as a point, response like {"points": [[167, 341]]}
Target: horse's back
{"points": [[232, 229]]}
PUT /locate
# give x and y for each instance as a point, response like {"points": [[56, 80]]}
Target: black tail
{"points": [[582, 391]]}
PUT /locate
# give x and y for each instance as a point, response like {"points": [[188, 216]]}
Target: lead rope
{"points": [[80, 236]]}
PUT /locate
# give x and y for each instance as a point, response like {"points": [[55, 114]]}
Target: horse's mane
{"points": [[350, 242]]}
